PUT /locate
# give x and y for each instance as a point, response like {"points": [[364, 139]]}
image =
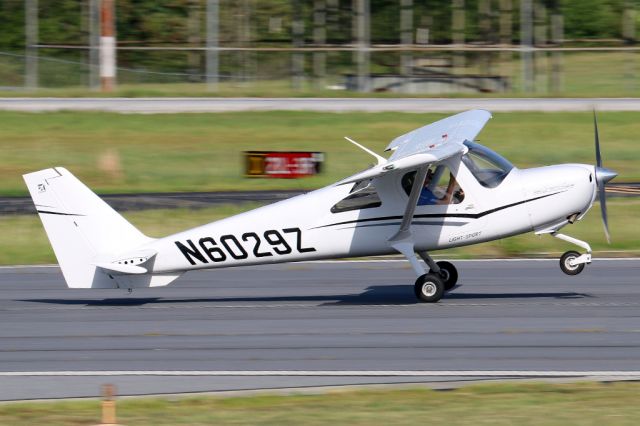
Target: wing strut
{"points": [[402, 241]]}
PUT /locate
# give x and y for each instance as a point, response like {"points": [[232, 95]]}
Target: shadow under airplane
{"points": [[374, 295]]}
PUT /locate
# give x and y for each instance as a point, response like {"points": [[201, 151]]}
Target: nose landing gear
{"points": [[569, 264], [572, 262]]}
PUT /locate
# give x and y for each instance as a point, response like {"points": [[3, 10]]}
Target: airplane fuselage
{"points": [[305, 228]]}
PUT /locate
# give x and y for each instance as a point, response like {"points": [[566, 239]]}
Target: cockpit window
{"points": [[363, 195], [440, 186], [488, 167]]}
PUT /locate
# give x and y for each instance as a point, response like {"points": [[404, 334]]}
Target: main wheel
{"points": [[567, 267], [448, 273], [429, 288]]}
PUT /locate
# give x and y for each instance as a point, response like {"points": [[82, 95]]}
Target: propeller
{"points": [[603, 176]]}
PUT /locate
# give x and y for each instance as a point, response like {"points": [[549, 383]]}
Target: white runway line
{"points": [[329, 373]]}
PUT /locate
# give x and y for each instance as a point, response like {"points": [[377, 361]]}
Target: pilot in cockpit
{"points": [[426, 195], [433, 194]]}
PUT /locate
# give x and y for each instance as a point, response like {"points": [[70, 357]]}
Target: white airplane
{"points": [[438, 189]]}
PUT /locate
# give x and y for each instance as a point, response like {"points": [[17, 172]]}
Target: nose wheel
{"points": [[572, 262], [569, 263]]}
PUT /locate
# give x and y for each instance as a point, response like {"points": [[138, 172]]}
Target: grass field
{"points": [[23, 240], [493, 404], [201, 152]]}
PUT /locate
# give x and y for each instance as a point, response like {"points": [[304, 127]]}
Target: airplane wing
{"points": [[428, 144], [437, 136]]}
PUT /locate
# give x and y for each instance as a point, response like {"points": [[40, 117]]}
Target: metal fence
{"points": [[542, 63]]}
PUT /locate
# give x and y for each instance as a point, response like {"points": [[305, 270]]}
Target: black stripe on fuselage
{"points": [[58, 213], [414, 223], [441, 215]]}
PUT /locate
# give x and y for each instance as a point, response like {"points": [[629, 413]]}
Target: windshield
{"points": [[487, 166]]}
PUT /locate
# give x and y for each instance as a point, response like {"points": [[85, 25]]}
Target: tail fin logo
{"points": [[41, 188]]}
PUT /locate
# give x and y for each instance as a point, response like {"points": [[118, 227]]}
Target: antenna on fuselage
{"points": [[379, 158]]}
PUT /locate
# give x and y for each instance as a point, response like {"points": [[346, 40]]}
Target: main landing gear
{"points": [[572, 262], [442, 277]]}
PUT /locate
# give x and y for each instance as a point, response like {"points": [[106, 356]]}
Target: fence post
{"points": [[213, 53], [31, 51], [406, 39], [526, 44], [320, 38], [363, 39], [94, 44], [297, 30], [458, 36], [557, 36], [506, 56], [108, 45]]}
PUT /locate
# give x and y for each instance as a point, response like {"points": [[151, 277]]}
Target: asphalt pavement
{"points": [[321, 317], [443, 105]]}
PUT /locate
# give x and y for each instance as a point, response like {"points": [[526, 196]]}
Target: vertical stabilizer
{"points": [[81, 227]]}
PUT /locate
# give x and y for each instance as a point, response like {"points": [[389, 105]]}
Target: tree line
{"points": [[181, 22]]}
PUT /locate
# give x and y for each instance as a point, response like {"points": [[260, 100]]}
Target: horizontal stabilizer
{"points": [[124, 269], [137, 262]]}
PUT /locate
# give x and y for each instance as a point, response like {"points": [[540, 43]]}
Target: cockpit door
{"points": [[465, 220], [447, 210]]}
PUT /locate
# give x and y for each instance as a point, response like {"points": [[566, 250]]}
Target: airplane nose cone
{"points": [[604, 175]]}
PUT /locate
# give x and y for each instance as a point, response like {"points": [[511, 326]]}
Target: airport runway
{"points": [[440, 105], [323, 317]]}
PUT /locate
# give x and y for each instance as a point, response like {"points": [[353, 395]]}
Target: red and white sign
{"points": [[276, 164]]}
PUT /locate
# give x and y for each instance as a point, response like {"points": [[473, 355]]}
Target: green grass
{"points": [[23, 239], [201, 152], [493, 404]]}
